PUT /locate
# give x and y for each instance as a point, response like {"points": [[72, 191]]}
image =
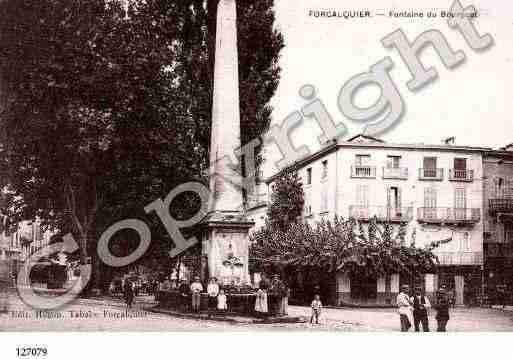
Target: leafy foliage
{"points": [[104, 110], [340, 245], [287, 201]]}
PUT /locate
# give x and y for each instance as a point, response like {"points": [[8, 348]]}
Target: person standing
{"points": [[261, 307], [196, 289], [183, 289], [405, 309], [278, 291], [222, 305], [421, 306], [213, 292], [442, 309], [316, 309], [128, 292]]}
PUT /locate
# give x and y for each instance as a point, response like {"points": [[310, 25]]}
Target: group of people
{"points": [[272, 296], [217, 300], [415, 309]]}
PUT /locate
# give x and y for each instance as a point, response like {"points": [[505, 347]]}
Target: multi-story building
{"points": [[437, 190], [19, 241], [498, 223]]}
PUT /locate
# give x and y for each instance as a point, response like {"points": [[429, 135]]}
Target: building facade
{"points": [[19, 241], [437, 190], [498, 224]]}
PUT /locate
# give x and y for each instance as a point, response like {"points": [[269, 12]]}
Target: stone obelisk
{"points": [[225, 238]]}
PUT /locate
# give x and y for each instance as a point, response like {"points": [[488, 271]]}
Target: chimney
{"points": [[449, 141]]}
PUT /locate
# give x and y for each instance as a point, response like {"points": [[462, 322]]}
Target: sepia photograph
{"points": [[255, 165]]}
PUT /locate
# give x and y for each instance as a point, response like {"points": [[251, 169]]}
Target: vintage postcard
{"points": [[339, 166]]}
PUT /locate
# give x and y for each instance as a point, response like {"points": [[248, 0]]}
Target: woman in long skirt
{"points": [[261, 307]]}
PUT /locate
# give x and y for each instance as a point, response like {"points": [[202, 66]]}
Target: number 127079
{"points": [[31, 351]]}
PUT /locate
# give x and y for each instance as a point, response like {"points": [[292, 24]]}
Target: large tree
{"points": [[287, 201], [103, 111]]}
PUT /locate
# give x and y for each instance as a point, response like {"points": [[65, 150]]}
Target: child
{"points": [[316, 309], [221, 302]]}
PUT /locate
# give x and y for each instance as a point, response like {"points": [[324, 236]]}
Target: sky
{"points": [[472, 102]]}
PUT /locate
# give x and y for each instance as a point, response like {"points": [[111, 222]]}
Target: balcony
{"points": [[382, 213], [363, 171], [461, 175], [441, 215], [497, 205], [431, 174], [460, 258], [395, 173]]}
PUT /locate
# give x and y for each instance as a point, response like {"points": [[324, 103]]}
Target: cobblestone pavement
{"points": [[110, 315]]}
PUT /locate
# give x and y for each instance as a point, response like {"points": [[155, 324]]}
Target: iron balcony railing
{"points": [[363, 171], [433, 174], [461, 175], [395, 173], [460, 258], [382, 213], [448, 215], [496, 205]]}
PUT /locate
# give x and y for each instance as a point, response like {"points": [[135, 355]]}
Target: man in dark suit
{"points": [[442, 309], [421, 305]]}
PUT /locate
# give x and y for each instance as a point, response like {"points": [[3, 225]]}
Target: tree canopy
{"points": [[341, 245], [287, 201], [105, 110]]}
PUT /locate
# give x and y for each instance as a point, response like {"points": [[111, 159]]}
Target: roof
{"points": [[364, 141]]}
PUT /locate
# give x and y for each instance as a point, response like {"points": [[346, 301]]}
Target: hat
{"points": [[405, 286]]}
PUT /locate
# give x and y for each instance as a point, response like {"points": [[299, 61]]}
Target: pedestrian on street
{"points": [[421, 307], [213, 292], [184, 293], [196, 289], [222, 305], [442, 309], [405, 308], [278, 292], [261, 307], [316, 309], [128, 292]]}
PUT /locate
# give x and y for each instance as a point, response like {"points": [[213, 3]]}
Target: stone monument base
{"points": [[225, 244]]}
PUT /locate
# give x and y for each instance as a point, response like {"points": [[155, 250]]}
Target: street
{"points": [[110, 315]]}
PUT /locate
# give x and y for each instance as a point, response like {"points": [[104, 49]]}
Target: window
{"points": [[324, 199], [430, 203], [362, 160], [460, 198], [508, 232], [429, 168], [499, 186], [324, 169], [308, 204], [394, 197], [460, 203], [460, 168], [460, 164], [393, 161], [362, 195], [465, 242], [309, 176]]}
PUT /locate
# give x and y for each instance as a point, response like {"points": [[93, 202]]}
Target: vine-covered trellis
{"points": [[342, 245]]}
